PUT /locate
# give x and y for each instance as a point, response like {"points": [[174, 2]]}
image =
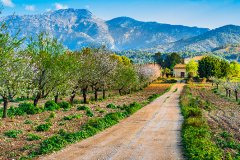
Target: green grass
{"points": [[196, 134]]}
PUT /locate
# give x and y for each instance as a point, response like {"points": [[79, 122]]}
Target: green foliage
{"points": [[70, 117], [196, 134], [22, 109], [51, 106], [112, 106], [33, 137], [132, 108], [12, 133], [192, 68], [64, 105], [213, 67], [89, 113], [100, 110], [52, 115], [43, 127], [28, 121], [153, 97], [83, 108]]}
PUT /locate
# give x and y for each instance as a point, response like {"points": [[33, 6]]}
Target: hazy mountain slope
{"points": [[78, 28], [74, 27], [208, 41], [132, 34]]}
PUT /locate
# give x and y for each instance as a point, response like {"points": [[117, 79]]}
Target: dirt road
{"points": [[153, 133]]}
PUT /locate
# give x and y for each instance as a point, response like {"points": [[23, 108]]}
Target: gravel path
{"points": [[153, 133]]}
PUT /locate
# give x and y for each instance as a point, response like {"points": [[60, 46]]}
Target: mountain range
{"points": [[77, 28]]}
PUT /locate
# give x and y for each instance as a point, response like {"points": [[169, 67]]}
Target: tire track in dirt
{"points": [[151, 133]]}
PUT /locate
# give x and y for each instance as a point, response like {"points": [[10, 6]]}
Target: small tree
{"points": [[43, 54], [215, 80], [192, 68], [235, 87], [11, 68]]}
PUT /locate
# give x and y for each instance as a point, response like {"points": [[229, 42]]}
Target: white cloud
{"points": [[8, 3], [30, 8], [60, 6]]}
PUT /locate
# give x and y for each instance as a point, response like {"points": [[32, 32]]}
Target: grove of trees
{"points": [[45, 69]]}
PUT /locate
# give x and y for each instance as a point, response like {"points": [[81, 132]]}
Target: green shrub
{"points": [[12, 133], [51, 106], [112, 106], [28, 121], [22, 109], [100, 110], [43, 127], [52, 115], [83, 108], [33, 137], [64, 105], [70, 117], [54, 143], [29, 108], [89, 113]]}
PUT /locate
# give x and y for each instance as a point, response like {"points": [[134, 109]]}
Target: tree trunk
{"points": [[56, 97], [5, 105], [37, 99], [217, 85], [104, 93], [72, 96], [96, 94], [229, 93], [236, 95], [120, 92], [84, 91]]}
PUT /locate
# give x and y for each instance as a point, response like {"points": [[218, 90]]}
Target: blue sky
{"points": [[202, 13]]}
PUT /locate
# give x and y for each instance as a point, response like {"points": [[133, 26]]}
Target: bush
{"points": [[112, 106], [89, 113], [28, 122], [29, 108], [70, 117], [52, 115], [33, 137], [54, 143], [83, 108], [64, 105], [22, 109], [51, 106], [43, 127], [13, 133]]}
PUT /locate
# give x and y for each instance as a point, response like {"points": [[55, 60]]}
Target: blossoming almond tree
{"points": [[11, 68]]}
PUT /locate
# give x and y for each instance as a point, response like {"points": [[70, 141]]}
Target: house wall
{"points": [[177, 72]]}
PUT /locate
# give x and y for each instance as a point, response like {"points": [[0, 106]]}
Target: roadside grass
{"points": [[196, 134]]}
